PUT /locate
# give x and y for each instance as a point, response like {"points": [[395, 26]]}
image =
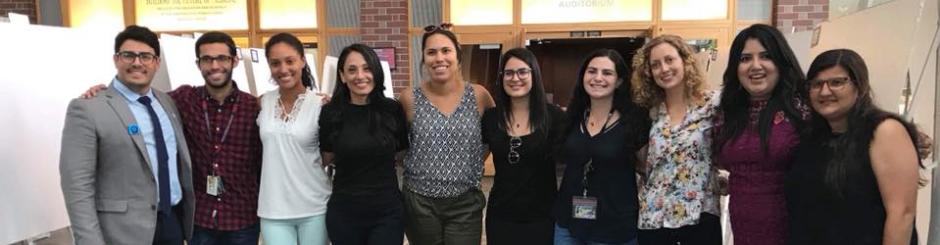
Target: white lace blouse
{"points": [[293, 185]]}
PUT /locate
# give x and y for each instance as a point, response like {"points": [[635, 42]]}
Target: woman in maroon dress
{"points": [[760, 116]]}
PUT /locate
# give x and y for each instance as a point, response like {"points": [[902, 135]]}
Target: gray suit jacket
{"points": [[110, 190]]}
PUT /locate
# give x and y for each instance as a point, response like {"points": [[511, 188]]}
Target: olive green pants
{"points": [[444, 221]]}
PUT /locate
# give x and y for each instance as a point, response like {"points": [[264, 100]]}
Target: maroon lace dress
{"points": [[757, 202]]}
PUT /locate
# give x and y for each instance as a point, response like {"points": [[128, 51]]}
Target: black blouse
{"points": [[364, 164], [524, 190], [818, 214]]}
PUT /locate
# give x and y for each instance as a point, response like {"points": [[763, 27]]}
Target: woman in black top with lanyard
{"points": [[523, 132], [362, 133], [597, 202]]}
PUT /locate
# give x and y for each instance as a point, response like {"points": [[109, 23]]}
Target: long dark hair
{"points": [[538, 109], [785, 96], [635, 118], [306, 77], [853, 146], [381, 110]]}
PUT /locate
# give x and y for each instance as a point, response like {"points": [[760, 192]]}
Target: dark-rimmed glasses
{"points": [[835, 84], [514, 142], [207, 60], [523, 73], [129, 57], [442, 26]]}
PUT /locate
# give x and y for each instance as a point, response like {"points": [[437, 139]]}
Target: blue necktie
{"points": [[163, 171]]}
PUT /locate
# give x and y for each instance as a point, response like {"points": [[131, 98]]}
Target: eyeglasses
{"points": [[523, 73], [442, 27], [514, 142], [207, 60], [834, 84], [129, 57]]}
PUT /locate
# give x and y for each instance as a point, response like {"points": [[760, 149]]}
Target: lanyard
{"points": [[589, 166], [218, 147], [228, 125]]}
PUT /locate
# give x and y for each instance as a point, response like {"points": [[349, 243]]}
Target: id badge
{"points": [[584, 207], [212, 185]]}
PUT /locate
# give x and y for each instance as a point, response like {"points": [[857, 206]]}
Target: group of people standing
{"points": [[812, 160]]}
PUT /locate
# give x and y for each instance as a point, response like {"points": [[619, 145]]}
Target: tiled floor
{"points": [[58, 237], [63, 237]]}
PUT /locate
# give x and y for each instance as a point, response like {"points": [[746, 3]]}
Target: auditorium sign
{"points": [[585, 11]]}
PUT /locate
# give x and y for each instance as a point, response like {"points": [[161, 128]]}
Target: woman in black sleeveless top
{"points": [[855, 177]]}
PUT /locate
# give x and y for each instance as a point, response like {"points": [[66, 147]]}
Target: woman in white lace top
{"points": [[294, 188]]}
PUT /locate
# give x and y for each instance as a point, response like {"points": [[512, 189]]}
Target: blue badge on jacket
{"points": [[133, 129]]}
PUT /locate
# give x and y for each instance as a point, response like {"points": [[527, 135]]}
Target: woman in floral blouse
{"points": [[677, 194]]}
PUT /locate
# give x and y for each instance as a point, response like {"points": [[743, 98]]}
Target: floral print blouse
{"points": [[681, 180]]}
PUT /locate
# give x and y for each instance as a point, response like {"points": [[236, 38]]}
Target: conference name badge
{"points": [[133, 129]]}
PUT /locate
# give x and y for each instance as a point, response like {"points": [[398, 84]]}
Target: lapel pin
{"points": [[133, 129]]}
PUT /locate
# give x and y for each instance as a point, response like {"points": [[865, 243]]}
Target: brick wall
{"points": [[384, 23], [27, 7], [800, 15]]}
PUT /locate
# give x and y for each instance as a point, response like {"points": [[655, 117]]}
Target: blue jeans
{"points": [[206, 236], [563, 237]]}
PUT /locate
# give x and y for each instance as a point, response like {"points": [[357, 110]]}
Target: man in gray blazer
{"points": [[125, 167]]}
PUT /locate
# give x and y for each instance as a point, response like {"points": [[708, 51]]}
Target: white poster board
{"points": [[260, 71], [19, 19], [329, 75], [312, 63], [33, 100], [389, 90], [179, 59], [240, 74]]}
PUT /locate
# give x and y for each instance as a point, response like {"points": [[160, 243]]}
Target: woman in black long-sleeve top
{"points": [[361, 133]]}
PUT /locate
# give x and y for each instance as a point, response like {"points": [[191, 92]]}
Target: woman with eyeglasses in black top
{"points": [[523, 132], [855, 176]]}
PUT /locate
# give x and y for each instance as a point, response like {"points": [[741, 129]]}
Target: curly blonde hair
{"points": [[647, 93]]}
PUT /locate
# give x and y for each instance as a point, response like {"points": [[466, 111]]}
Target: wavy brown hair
{"points": [[647, 93]]}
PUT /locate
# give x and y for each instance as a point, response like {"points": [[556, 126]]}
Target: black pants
{"points": [[499, 231], [169, 229], [375, 219], [706, 232]]}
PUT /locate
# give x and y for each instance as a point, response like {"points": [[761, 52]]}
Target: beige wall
{"points": [[891, 39]]}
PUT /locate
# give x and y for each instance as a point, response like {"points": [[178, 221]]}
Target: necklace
{"points": [[587, 117]]}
